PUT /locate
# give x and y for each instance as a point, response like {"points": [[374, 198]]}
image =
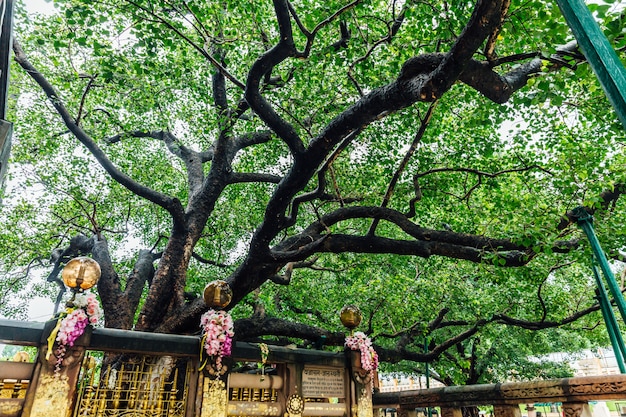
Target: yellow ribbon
{"points": [[53, 337], [202, 362]]}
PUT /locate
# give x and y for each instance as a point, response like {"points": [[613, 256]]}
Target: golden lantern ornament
{"points": [[81, 273], [350, 316], [217, 294]]}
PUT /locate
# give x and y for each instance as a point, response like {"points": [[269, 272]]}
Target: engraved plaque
{"points": [[323, 382]]}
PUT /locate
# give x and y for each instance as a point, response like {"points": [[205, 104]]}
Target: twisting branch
{"points": [[392, 29], [81, 107], [193, 160], [407, 157], [170, 204], [480, 174], [310, 35], [270, 59], [205, 261], [490, 45]]}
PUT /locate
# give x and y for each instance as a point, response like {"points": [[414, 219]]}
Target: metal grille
{"points": [[142, 386]]}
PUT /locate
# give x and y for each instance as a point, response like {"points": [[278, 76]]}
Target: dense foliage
{"points": [[419, 159]]}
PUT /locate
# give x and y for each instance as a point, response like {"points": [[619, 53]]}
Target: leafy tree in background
{"points": [[418, 159]]}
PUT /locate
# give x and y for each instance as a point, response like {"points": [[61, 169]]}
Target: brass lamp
{"points": [[217, 294], [350, 316], [81, 273]]}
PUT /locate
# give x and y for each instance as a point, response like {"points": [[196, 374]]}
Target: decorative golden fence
{"points": [[116, 373], [151, 386], [14, 383]]}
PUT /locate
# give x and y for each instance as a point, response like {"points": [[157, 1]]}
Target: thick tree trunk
{"points": [[166, 293]]}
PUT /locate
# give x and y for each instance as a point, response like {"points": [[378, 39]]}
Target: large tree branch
{"points": [[264, 65], [142, 273], [193, 160], [170, 204], [395, 96], [486, 16]]}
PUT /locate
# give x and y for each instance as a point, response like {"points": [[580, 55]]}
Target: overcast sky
{"points": [[40, 6]]}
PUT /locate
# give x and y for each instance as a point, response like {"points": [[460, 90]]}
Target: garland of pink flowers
{"points": [[84, 311], [218, 332], [369, 358]]}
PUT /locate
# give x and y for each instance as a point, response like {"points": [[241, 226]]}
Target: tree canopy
{"points": [[419, 159]]}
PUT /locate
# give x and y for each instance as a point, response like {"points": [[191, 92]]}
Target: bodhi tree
{"points": [[417, 158]]}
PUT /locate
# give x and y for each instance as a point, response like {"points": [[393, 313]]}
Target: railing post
{"points": [[451, 412], [506, 411], [54, 386], [576, 410]]}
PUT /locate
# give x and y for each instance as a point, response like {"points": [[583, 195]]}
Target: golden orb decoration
{"points": [[217, 294], [81, 273], [350, 316]]}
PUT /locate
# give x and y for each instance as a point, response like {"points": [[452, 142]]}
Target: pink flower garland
{"points": [[369, 358], [85, 311], [217, 329]]}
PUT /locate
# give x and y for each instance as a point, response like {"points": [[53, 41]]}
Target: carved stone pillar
{"points": [[506, 411], [576, 410], [451, 412]]}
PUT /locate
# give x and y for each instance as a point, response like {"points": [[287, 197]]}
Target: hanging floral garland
{"points": [[217, 335], [81, 312], [369, 358]]}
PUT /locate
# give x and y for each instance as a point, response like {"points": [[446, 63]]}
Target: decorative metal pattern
{"points": [[11, 388], [295, 405], [142, 387], [253, 394], [214, 398]]}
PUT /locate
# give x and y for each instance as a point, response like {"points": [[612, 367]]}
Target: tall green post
{"points": [[599, 53], [611, 323], [585, 221]]}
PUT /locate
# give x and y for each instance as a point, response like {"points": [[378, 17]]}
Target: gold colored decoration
{"points": [[214, 398], [13, 408], [145, 387], [264, 395], [350, 316], [365, 407], [217, 294], [265, 352], [81, 273], [295, 405], [11, 388], [211, 369], [52, 397]]}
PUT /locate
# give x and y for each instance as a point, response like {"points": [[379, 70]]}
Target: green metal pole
{"points": [[429, 412], [585, 221], [611, 324], [599, 53]]}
